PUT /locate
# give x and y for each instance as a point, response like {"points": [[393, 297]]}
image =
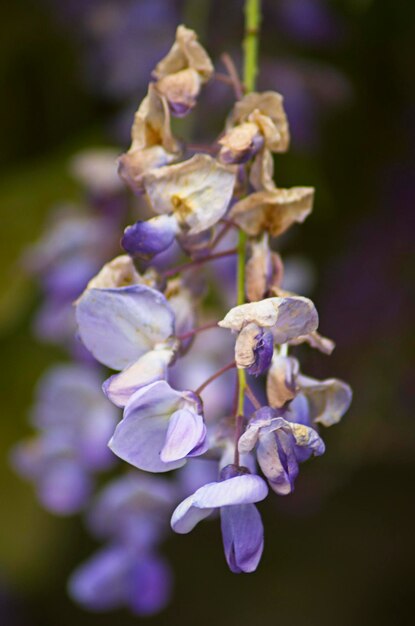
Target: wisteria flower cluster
{"points": [[229, 433], [139, 324]]}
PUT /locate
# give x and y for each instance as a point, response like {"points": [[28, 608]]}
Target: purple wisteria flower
{"points": [[75, 423], [161, 427], [242, 530], [280, 447], [261, 324], [128, 329], [322, 401], [131, 513]]}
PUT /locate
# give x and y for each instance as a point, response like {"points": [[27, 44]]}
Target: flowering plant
{"points": [[218, 206]]}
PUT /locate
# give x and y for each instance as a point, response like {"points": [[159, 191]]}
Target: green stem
{"points": [[250, 45]]}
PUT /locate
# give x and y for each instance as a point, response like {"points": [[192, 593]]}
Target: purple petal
{"points": [[100, 584], [277, 460], [149, 368], [149, 586], [64, 488], [145, 239], [243, 537], [239, 490], [185, 432], [140, 436], [120, 325], [263, 352]]}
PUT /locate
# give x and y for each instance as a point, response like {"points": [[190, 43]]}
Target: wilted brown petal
{"points": [[262, 171], [181, 90], [286, 317], [135, 163], [268, 104], [245, 344], [151, 125], [328, 399], [240, 143], [281, 380], [264, 270], [273, 211], [186, 52], [196, 191], [315, 340], [121, 272]]}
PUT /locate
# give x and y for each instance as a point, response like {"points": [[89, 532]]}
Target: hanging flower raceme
{"points": [[185, 407]]}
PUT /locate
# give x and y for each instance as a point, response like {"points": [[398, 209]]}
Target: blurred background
{"points": [[342, 548]]}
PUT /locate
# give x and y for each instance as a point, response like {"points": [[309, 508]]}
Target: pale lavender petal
{"points": [[149, 368], [277, 460], [186, 431], [120, 325], [238, 490], [145, 239], [149, 585], [140, 436], [328, 399], [100, 584], [64, 488], [243, 537]]}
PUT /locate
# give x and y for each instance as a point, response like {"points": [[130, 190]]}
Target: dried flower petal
{"points": [[315, 340], [262, 171], [240, 143], [264, 270], [120, 272], [273, 211], [186, 52], [197, 192], [328, 399], [286, 317], [281, 380], [258, 106]]}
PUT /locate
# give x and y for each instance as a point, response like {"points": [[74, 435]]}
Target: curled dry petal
{"points": [[286, 317], [328, 399], [180, 90], [264, 270], [273, 211], [152, 142], [151, 125], [240, 143], [186, 52], [253, 349], [257, 107], [120, 272], [281, 380], [197, 192], [315, 340], [133, 164], [262, 171]]}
